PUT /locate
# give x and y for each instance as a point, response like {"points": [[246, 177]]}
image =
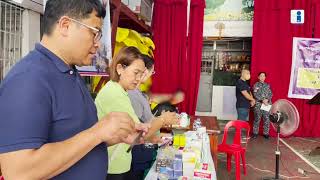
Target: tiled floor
{"points": [[260, 158], [304, 146]]}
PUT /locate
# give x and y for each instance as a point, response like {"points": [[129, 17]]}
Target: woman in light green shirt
{"points": [[126, 71]]}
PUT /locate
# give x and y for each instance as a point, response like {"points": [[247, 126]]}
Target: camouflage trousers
{"points": [[258, 113]]}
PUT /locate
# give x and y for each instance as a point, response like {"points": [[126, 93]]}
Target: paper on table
{"points": [[266, 107]]}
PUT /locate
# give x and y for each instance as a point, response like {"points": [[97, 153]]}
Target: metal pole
{"points": [[278, 137], [10, 39], [15, 34], [277, 153], [19, 34]]}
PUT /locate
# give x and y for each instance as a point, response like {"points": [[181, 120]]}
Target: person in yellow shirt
{"points": [[126, 71]]}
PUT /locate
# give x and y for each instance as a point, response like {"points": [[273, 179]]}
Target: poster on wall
{"points": [[228, 18], [305, 69], [102, 59], [229, 10]]}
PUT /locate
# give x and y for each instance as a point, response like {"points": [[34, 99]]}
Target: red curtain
{"points": [[169, 35], [178, 66], [192, 66], [272, 52]]}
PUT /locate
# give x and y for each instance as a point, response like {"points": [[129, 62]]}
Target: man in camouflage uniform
{"points": [[263, 95]]}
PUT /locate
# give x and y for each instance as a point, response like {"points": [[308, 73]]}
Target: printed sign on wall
{"points": [[305, 69]]}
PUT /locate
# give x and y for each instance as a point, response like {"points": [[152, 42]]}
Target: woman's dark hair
{"points": [[125, 57], [77, 9], [148, 61], [165, 106], [262, 73]]}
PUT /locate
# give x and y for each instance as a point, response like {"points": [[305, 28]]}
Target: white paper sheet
{"points": [[265, 107]]}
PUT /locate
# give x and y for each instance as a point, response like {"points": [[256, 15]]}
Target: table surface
{"points": [[213, 130], [210, 122]]}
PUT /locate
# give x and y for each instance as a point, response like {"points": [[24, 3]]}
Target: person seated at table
{"points": [[126, 71]]}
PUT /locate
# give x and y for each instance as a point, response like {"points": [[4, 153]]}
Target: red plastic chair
{"points": [[236, 148]]}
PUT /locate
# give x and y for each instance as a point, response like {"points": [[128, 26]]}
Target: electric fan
{"points": [[285, 120]]}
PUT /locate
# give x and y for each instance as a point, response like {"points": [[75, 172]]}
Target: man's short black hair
{"points": [[165, 106], [262, 73], [77, 9], [148, 61]]}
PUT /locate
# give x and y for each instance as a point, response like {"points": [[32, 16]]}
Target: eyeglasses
{"points": [[150, 72], [97, 33], [137, 74]]}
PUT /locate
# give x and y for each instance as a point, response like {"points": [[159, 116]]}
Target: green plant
{"points": [[248, 6]]}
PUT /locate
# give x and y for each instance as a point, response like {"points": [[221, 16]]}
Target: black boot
{"points": [[254, 136], [266, 136]]}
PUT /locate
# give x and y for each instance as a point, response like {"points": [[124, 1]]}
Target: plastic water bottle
{"points": [[196, 124]]}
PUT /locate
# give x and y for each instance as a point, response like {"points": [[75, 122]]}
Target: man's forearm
{"points": [[247, 96], [160, 98], [49, 160]]}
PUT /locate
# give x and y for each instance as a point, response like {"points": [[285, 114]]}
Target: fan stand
{"points": [[277, 152]]}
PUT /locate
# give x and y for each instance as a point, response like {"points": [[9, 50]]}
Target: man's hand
{"points": [[265, 102], [178, 97], [169, 118], [139, 127], [252, 103], [142, 127], [114, 128]]}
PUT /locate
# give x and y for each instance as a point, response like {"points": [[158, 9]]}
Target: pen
{"points": [[136, 140]]}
